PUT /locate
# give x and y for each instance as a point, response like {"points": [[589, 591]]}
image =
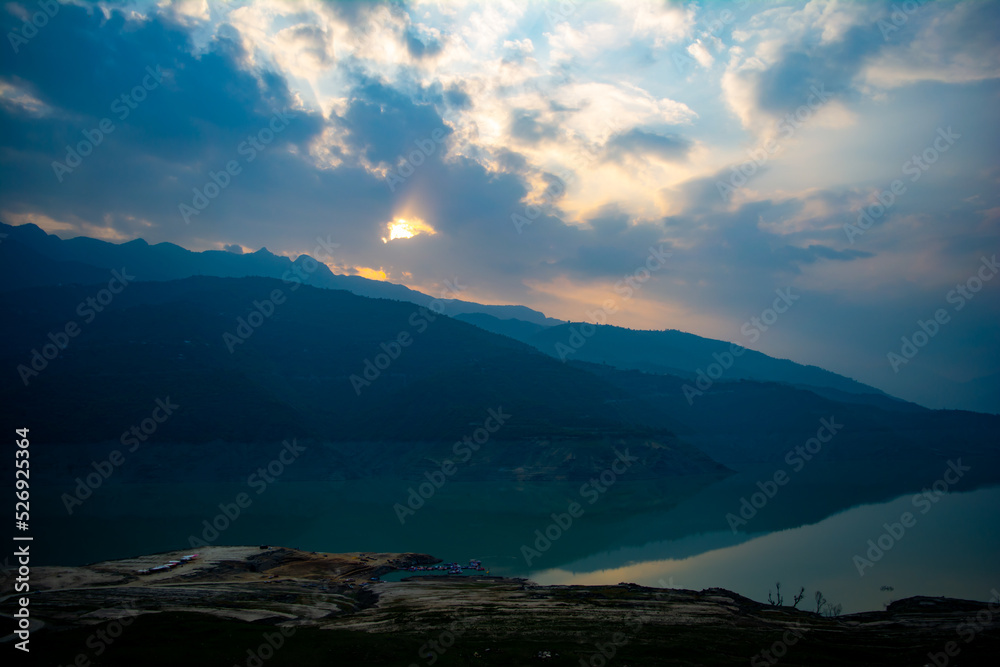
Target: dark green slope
{"points": [[292, 374], [745, 423]]}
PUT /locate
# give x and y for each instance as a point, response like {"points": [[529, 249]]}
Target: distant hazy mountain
{"points": [[982, 394], [515, 328], [22, 267], [684, 354], [73, 260], [668, 352], [744, 423]]}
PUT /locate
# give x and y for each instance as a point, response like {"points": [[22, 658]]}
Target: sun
{"points": [[405, 228]]}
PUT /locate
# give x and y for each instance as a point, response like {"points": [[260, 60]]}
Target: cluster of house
{"points": [[169, 565], [451, 568]]}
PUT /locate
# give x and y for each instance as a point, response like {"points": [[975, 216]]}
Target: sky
{"points": [[843, 154]]}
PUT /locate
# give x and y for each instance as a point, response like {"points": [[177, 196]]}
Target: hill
{"points": [[255, 359]]}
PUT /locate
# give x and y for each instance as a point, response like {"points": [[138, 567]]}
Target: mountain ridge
{"points": [[669, 352], [31, 257], [169, 261]]}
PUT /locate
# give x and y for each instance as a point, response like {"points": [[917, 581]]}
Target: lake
{"points": [[807, 534]]}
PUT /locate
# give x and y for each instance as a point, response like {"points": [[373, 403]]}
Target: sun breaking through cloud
{"points": [[406, 228]]}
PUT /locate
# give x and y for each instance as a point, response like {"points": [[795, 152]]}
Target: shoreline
{"points": [[229, 594]]}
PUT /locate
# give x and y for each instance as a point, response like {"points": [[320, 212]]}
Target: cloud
{"points": [[566, 42], [950, 43], [776, 67], [525, 127], [383, 123], [700, 53], [518, 50], [664, 23], [815, 253], [648, 144], [421, 44]]}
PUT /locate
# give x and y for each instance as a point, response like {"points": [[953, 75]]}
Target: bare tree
{"points": [[777, 600], [798, 598], [824, 607]]}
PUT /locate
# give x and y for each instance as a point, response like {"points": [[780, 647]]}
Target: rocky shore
{"points": [[275, 606]]}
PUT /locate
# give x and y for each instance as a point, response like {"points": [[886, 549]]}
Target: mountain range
{"points": [[253, 354], [32, 258]]}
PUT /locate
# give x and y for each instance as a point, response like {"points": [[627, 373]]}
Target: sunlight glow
{"points": [[401, 228], [371, 274]]}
